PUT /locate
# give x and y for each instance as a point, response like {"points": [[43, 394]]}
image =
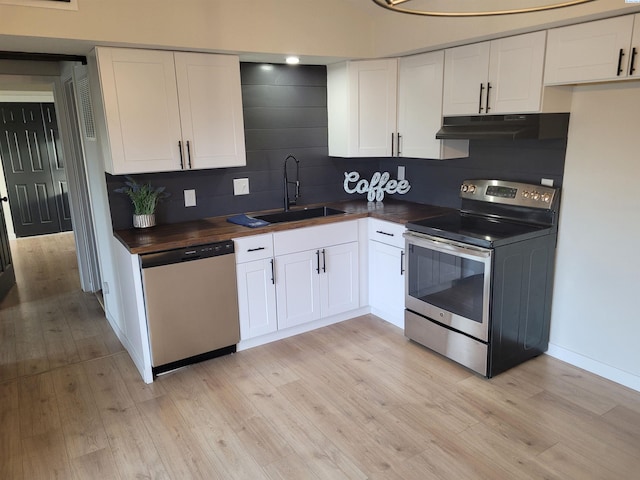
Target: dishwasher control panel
{"points": [[179, 255]]}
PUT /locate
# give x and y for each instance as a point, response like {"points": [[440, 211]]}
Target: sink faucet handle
{"points": [[297, 189]]}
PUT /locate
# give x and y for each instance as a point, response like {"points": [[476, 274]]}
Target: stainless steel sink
{"points": [[294, 215]]}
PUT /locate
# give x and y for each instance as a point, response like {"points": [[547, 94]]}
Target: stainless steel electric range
{"points": [[479, 281]]}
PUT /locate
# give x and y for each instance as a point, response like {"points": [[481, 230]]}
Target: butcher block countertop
{"points": [[216, 229]]}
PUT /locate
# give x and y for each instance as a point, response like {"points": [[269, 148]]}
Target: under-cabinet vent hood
{"points": [[512, 127]]}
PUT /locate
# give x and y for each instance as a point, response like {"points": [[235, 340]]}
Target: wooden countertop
{"points": [[216, 229]]}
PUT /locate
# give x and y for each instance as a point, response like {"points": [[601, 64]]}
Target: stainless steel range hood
{"points": [[511, 127]]}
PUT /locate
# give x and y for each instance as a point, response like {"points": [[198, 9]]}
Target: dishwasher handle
{"points": [[180, 255]]}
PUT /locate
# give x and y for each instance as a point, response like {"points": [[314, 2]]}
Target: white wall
{"points": [[596, 306]]}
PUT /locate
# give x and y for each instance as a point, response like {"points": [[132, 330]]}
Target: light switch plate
{"points": [[400, 172], [189, 198], [548, 182], [240, 186]]}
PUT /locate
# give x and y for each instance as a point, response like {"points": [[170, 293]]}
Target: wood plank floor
{"points": [[351, 401]]}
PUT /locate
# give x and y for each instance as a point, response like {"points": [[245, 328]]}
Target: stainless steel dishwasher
{"points": [[191, 303]]}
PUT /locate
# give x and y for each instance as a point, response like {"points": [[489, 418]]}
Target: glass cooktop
{"points": [[477, 230]]}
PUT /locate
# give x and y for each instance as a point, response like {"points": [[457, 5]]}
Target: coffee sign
{"points": [[376, 187]]}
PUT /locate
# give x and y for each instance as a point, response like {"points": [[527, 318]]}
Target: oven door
{"points": [[449, 283]]}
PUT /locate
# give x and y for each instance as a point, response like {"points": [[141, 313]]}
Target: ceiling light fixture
{"points": [[395, 5], [292, 60]]}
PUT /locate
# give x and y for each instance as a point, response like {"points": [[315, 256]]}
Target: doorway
{"points": [[54, 86]]}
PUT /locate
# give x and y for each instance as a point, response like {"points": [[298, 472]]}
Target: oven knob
{"points": [[472, 188], [546, 198], [525, 194], [536, 196], [464, 187]]}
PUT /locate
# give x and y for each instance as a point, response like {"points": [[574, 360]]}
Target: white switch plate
{"points": [[400, 172], [547, 182], [240, 186], [189, 198]]}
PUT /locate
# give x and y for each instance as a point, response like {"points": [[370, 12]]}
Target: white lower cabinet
{"points": [[295, 277], [387, 271], [317, 283], [256, 298]]}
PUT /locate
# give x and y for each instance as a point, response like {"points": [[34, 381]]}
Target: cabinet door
{"points": [[633, 69], [372, 107], [298, 288], [386, 282], [339, 279], [588, 52], [210, 110], [141, 109], [420, 81], [466, 70], [256, 298], [515, 73]]}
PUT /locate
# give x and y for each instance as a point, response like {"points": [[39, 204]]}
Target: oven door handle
{"points": [[447, 246]]}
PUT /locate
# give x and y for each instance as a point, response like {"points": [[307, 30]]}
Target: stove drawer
{"points": [[456, 346]]}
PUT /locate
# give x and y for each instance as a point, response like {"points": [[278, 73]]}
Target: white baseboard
{"points": [[306, 327], [606, 371]]}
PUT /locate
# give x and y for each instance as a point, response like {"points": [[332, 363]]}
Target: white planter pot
{"points": [[144, 221]]}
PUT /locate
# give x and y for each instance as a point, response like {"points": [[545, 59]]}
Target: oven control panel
{"points": [[509, 193]]}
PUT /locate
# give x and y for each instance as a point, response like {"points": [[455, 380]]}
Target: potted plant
{"points": [[145, 198]]}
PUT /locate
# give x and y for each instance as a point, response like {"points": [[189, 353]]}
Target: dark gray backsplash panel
{"points": [[285, 112], [437, 182]]}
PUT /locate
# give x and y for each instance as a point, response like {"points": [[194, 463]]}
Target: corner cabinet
{"points": [[169, 111], [388, 108], [361, 104], [594, 51], [387, 270], [500, 76]]}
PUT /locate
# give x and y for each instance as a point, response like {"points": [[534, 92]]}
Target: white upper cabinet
{"points": [[388, 108], [593, 51], [420, 81], [210, 100], [362, 108], [500, 76], [166, 111]]}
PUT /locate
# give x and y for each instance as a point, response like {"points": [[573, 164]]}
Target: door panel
{"points": [[58, 172], [37, 206], [7, 275]]}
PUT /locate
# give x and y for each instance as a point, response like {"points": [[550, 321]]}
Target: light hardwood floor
{"points": [[351, 401]]}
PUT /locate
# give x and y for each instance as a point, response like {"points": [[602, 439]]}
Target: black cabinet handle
{"points": [[324, 261], [4, 199], [189, 154], [480, 98], [255, 249], [273, 271], [318, 260], [486, 110], [392, 141], [398, 149], [402, 262], [620, 55], [385, 233], [181, 159], [632, 61]]}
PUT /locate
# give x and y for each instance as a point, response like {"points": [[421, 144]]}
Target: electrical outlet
{"points": [[189, 198], [400, 172], [240, 186], [548, 182]]}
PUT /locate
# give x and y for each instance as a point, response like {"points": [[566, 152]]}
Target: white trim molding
{"points": [[606, 371]]}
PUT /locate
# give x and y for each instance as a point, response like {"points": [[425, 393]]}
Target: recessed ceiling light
{"points": [[292, 60]]}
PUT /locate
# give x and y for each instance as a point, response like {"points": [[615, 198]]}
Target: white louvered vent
{"points": [[86, 108]]}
